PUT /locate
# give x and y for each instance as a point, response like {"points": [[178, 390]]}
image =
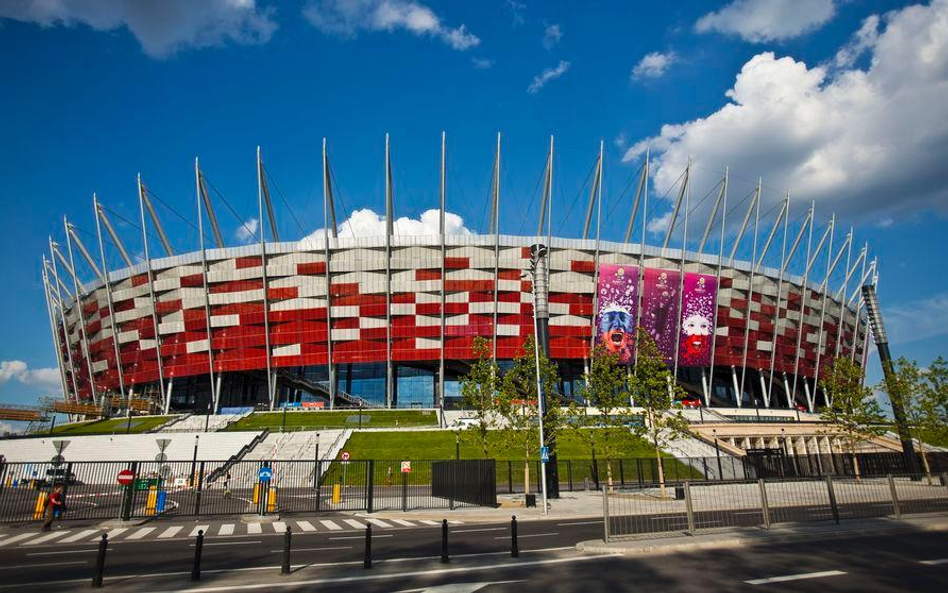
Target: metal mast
{"points": [[328, 226], [597, 188], [52, 327], [389, 230], [495, 230], [717, 280], [62, 316], [207, 304], [111, 304], [165, 395], [82, 321], [444, 253], [264, 195]]}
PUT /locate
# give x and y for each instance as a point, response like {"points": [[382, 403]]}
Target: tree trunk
{"points": [[526, 477], [928, 469], [609, 475], [855, 463], [661, 470]]}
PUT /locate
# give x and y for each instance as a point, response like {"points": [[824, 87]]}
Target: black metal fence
{"points": [[702, 505]]}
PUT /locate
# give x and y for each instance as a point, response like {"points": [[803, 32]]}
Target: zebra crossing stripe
{"points": [[78, 536], [226, 529], [16, 538], [306, 526], [170, 532], [46, 538], [332, 525], [117, 531], [402, 522], [354, 523], [194, 531], [141, 533], [379, 523], [279, 526], [253, 529], [429, 522]]}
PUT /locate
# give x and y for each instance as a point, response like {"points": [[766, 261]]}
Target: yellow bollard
{"points": [[272, 499], [152, 502], [336, 492], [40, 506], [256, 493]]}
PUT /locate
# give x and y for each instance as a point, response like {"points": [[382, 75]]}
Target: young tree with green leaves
{"points": [[906, 387], [935, 402], [606, 389], [518, 405], [654, 389], [479, 394], [853, 414]]}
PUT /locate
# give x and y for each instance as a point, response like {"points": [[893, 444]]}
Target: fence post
{"points": [[444, 542], [605, 514], [100, 562], [689, 509], [317, 485], [128, 499], [197, 499], [895, 498], [765, 508], [404, 492], [569, 473], [621, 474], [198, 546], [367, 562], [509, 477], [370, 494], [638, 470], [595, 472], [832, 497], [285, 569], [514, 546]]}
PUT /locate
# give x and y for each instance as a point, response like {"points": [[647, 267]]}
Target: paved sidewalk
{"points": [[737, 538], [570, 505]]}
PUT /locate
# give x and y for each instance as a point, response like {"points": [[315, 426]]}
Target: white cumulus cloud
{"points": [[366, 223], [162, 28], [864, 142], [540, 80], [912, 320], [247, 232], [17, 370], [759, 21], [347, 17], [551, 36], [654, 65]]}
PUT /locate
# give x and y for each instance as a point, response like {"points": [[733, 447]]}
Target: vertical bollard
{"points": [[367, 563], [895, 498], [444, 542], [689, 509], [832, 496], [100, 562], [514, 547], [198, 546], [285, 569]]}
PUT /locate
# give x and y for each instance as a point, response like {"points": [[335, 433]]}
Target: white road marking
{"points": [[530, 535], [934, 562], [331, 525], [42, 565], [226, 529], [76, 551], [279, 526], [379, 523], [403, 522], [360, 536], [170, 532], [198, 528], [78, 536], [354, 523], [46, 538], [141, 533], [117, 531], [254, 529], [237, 543], [797, 577], [599, 522], [428, 522], [306, 526], [316, 549], [479, 530], [453, 522]]}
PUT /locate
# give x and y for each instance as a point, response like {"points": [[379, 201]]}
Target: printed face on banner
{"points": [[660, 309], [616, 317], [697, 315]]}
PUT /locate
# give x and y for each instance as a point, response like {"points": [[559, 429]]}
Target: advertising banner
{"points": [[697, 318], [615, 320], [660, 309]]}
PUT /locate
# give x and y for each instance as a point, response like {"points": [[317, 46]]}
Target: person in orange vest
{"points": [[54, 506]]}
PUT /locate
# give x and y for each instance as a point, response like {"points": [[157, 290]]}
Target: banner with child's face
{"points": [[697, 320], [615, 319]]}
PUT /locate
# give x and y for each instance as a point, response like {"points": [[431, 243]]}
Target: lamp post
{"points": [[717, 452], [538, 252], [207, 417], [194, 459]]}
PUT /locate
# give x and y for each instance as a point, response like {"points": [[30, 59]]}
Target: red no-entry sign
{"points": [[125, 477]]}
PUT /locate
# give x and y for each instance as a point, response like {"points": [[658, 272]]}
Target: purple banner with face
{"points": [[697, 319], [660, 309], [615, 321]]}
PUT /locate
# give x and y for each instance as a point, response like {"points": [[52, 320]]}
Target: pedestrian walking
{"points": [[54, 507]]}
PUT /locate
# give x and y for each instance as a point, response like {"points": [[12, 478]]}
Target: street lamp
{"points": [[538, 253], [717, 451]]}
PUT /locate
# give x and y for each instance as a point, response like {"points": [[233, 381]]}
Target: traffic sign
{"points": [[406, 467], [265, 474], [161, 457], [58, 459], [344, 456], [545, 454], [125, 477]]}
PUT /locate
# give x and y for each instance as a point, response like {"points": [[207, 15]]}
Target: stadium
{"points": [[389, 321]]}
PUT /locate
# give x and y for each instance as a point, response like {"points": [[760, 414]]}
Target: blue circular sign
{"points": [[265, 474]]}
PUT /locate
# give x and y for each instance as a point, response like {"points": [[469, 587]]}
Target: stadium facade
{"points": [[390, 320]]}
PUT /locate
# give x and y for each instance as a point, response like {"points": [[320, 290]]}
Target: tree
{"points": [[607, 389], [654, 390], [518, 404], [935, 402], [853, 414], [906, 387], [479, 394]]}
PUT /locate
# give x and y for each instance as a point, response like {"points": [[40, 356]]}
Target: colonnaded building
{"points": [[389, 320]]}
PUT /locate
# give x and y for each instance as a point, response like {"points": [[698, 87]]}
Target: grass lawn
{"points": [[115, 425], [336, 419]]}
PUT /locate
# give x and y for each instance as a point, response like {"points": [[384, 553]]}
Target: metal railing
{"points": [[694, 506]]}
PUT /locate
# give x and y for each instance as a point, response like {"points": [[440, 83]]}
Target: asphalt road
{"points": [[409, 560]]}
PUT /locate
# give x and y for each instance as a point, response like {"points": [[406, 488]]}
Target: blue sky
{"points": [[840, 102]]}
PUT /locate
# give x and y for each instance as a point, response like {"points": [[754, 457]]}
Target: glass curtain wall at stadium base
{"points": [[377, 324]]}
